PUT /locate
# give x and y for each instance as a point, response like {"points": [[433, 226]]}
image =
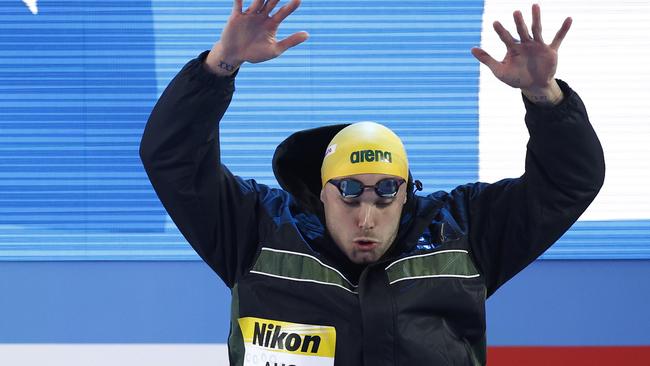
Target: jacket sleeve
{"points": [[214, 210], [513, 221]]}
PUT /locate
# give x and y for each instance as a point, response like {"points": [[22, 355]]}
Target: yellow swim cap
{"points": [[362, 148]]}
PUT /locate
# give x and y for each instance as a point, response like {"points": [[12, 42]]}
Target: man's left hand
{"points": [[529, 64]]}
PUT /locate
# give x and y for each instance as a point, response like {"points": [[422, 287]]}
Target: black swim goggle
{"points": [[351, 188]]}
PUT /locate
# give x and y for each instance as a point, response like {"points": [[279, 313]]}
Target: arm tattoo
{"points": [[545, 100], [226, 66]]}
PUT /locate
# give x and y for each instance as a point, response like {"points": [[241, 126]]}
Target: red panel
{"points": [[569, 356]]}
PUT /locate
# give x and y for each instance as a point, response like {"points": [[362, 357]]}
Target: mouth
{"points": [[366, 243]]}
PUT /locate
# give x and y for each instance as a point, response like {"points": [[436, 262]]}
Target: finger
{"points": [[236, 6], [503, 33], [537, 23], [485, 58], [522, 28], [270, 5], [286, 10], [559, 37], [255, 6], [262, 8], [293, 40]]}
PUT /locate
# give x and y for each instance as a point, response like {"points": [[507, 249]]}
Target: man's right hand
{"points": [[249, 36]]}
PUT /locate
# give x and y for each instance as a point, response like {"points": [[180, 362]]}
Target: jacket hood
{"points": [[297, 162]]}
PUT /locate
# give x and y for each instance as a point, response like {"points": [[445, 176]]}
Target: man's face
{"points": [[366, 226]]}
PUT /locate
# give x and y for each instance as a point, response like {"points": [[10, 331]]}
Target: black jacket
{"points": [[297, 299]]}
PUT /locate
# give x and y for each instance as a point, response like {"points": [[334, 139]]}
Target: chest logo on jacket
{"points": [[275, 342]]}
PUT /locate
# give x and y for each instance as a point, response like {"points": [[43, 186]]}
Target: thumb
{"points": [[485, 58], [293, 40]]}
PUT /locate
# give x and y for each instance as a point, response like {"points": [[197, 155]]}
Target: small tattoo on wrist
{"points": [[544, 99], [226, 66]]}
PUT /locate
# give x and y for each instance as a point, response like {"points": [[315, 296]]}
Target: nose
{"points": [[366, 216]]}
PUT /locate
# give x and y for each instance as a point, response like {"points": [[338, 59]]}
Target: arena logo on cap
{"points": [[370, 156]]}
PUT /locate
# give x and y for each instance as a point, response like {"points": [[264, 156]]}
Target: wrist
{"points": [[221, 63], [546, 96]]}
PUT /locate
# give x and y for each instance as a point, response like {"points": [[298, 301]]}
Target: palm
{"points": [[251, 34], [529, 62]]}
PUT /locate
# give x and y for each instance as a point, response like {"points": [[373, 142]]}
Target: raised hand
{"points": [[249, 36], [529, 64]]}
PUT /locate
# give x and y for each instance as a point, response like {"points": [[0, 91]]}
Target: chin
{"points": [[364, 259]]}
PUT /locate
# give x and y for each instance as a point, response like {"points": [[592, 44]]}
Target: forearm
{"points": [[565, 164], [184, 117], [564, 145]]}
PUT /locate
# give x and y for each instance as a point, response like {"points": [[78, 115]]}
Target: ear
{"points": [[322, 195]]}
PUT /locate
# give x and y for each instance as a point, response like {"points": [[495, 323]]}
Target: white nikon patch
{"points": [[274, 343]]}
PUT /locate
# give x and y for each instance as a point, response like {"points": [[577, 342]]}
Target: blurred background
{"points": [[93, 271]]}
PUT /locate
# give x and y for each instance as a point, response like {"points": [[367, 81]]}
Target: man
{"points": [[346, 265]]}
